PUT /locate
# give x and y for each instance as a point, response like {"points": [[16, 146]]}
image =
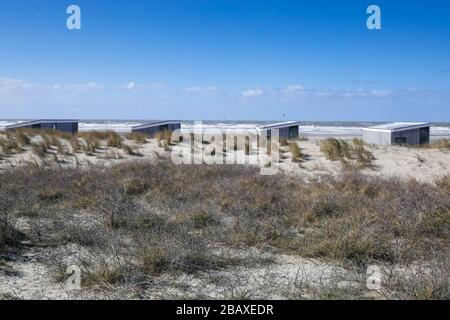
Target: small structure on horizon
{"points": [[399, 133], [70, 126], [288, 129], [152, 128]]}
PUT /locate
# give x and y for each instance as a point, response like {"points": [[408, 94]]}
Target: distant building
{"points": [[152, 128], [402, 133], [288, 130], [70, 126]]}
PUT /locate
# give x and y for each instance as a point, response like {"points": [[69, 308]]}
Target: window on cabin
{"points": [[424, 136], [293, 132]]}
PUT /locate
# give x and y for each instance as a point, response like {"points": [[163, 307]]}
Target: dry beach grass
{"points": [[139, 222], [141, 227]]}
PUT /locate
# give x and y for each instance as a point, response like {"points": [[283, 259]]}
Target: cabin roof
{"points": [[398, 126], [155, 123], [33, 122], [285, 124]]}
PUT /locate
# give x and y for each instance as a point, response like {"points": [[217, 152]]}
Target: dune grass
{"points": [[165, 136], [295, 151], [345, 152], [137, 137], [439, 144], [141, 220]]}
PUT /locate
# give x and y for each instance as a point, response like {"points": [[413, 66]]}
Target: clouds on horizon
{"points": [[253, 93], [18, 97]]}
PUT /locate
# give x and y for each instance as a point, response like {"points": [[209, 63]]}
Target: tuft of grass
{"points": [[114, 140], [335, 150], [203, 219], [50, 195], [91, 144], [23, 138], [443, 182], [9, 146], [155, 260], [440, 144], [103, 275], [97, 135], [340, 150], [137, 137], [363, 156], [296, 152], [283, 142], [75, 144], [40, 149], [165, 136], [54, 134]]}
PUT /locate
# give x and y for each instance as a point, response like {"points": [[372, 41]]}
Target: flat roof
{"points": [[33, 122], [155, 123], [398, 126], [280, 125]]}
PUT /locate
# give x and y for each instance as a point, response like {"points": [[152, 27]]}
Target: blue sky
{"points": [[225, 59]]}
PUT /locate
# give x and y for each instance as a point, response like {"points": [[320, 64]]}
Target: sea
{"points": [[337, 129]]}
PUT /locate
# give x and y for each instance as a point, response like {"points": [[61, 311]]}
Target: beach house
{"points": [[151, 128], [70, 126], [288, 129], [399, 133]]}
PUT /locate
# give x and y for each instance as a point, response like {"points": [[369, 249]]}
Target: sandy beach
{"points": [[423, 164]]}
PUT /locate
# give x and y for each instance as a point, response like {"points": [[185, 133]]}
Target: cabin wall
{"points": [[151, 131], [70, 127], [286, 132], [377, 137], [412, 136]]}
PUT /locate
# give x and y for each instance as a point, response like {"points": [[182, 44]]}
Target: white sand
{"points": [[422, 164]]}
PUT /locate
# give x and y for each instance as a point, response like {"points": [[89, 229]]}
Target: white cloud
{"points": [[201, 90], [78, 87], [289, 90], [8, 85], [131, 85], [253, 93], [293, 89], [381, 93]]}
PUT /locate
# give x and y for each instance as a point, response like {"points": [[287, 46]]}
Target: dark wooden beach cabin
{"points": [[153, 127], [70, 126], [288, 130], [398, 133]]}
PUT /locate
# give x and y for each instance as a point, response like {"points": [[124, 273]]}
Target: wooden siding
{"points": [[152, 130]]}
